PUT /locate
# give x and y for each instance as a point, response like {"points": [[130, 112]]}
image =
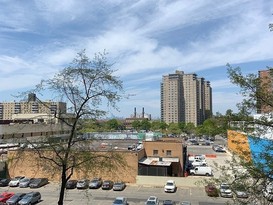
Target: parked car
{"points": [[152, 200], [30, 198], [169, 202], [199, 162], [240, 191], [82, 184], [15, 181], [107, 185], [205, 171], [95, 183], [218, 148], [211, 190], [268, 192], [15, 199], [197, 157], [4, 182], [185, 203], [120, 201], [225, 190], [119, 186], [25, 182], [5, 196], [71, 184], [38, 182], [170, 186]]}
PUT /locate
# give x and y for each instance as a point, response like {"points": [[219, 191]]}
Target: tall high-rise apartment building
{"points": [[266, 79], [185, 98]]}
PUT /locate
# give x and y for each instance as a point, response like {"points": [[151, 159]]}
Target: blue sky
{"points": [[144, 38]]}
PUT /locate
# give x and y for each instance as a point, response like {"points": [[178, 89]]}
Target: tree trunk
{"points": [[63, 184]]}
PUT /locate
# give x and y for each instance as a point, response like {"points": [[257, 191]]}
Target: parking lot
{"points": [[188, 189], [136, 195]]}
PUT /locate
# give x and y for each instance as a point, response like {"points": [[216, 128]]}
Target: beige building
{"points": [[185, 98], [32, 109], [164, 157]]}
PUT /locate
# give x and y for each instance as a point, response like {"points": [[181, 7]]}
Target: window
{"points": [[169, 153], [155, 152]]}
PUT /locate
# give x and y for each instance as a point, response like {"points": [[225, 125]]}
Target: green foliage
{"points": [[85, 85], [241, 172]]}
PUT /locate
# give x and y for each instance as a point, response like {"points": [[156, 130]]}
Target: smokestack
{"points": [[143, 112], [135, 113]]}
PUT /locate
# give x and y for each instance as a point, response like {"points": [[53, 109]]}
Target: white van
{"points": [[205, 171]]}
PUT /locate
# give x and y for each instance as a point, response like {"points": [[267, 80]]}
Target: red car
{"points": [[211, 190], [5, 196]]}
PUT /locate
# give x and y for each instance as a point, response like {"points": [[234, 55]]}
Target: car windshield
{"points": [[25, 180], [150, 202], [169, 184], [118, 201], [15, 197], [224, 186], [95, 180]]}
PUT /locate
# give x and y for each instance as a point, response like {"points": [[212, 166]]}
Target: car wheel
{"points": [[207, 174]]}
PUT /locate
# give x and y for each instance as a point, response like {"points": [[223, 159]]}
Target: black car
{"points": [[4, 182], [71, 184], [38, 182], [107, 185]]}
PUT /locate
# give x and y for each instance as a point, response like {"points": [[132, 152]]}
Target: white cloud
{"points": [[145, 39]]}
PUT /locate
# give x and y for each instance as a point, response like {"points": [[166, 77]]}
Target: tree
{"points": [[173, 128], [252, 171], [113, 124], [85, 85], [145, 124], [190, 128], [136, 124]]}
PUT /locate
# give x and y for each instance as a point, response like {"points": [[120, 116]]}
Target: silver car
{"points": [[25, 182], [83, 184], [15, 198], [30, 198]]}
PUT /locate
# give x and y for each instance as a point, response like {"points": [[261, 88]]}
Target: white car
{"points": [[15, 181], [170, 186], [152, 200], [225, 190], [198, 162]]}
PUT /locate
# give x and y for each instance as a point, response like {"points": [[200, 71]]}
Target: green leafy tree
{"points": [[156, 125], [136, 124], [145, 124], [190, 128], [113, 124], [85, 85], [251, 171], [174, 128]]}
